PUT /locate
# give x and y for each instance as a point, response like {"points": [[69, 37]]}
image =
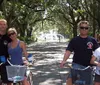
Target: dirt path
{"points": [[46, 68]]}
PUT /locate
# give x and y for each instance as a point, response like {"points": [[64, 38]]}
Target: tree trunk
{"points": [[75, 31]]}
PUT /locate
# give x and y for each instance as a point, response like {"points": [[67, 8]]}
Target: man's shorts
{"points": [[97, 78], [3, 73], [82, 75]]}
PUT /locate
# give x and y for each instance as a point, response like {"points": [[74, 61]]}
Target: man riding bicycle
{"points": [[82, 46], [4, 40]]}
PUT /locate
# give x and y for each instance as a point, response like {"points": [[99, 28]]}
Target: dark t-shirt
{"points": [[4, 40], [83, 49]]}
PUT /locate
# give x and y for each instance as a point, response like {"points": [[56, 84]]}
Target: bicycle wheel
{"points": [[0, 82], [18, 83], [30, 78]]}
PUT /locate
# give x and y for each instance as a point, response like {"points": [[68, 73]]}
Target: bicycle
{"points": [[15, 73], [20, 73], [0, 75], [29, 69], [79, 75], [29, 74], [3, 61]]}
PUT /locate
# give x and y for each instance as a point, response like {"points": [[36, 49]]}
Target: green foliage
{"points": [[28, 40], [42, 15]]}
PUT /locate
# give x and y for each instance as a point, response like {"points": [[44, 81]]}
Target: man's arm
{"points": [[66, 56]]}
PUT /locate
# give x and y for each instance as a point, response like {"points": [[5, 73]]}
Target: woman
{"points": [[96, 61], [16, 49]]}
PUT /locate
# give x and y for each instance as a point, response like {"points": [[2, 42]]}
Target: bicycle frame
{"points": [[29, 75], [81, 76]]}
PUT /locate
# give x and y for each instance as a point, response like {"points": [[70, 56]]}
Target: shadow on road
{"points": [[46, 68]]}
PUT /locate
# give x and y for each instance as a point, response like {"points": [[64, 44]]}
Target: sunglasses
{"points": [[11, 34], [86, 28]]}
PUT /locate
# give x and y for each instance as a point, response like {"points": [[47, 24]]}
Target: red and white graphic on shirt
{"points": [[90, 45]]}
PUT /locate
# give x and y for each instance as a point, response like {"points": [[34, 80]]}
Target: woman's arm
{"points": [[93, 61], [23, 46]]}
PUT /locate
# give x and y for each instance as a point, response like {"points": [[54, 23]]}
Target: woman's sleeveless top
{"points": [[16, 54]]}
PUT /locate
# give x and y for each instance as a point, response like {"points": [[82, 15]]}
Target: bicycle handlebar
{"points": [[18, 65], [1, 64], [84, 68], [10, 62], [78, 68]]}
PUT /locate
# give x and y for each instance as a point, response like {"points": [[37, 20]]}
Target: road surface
{"points": [[47, 69]]}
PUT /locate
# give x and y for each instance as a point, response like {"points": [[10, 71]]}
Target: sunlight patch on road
{"points": [[50, 81], [63, 72]]}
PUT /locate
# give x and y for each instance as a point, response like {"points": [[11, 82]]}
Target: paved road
{"points": [[46, 68]]}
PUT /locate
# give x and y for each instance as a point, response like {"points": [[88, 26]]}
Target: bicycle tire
{"points": [[0, 81], [18, 83], [30, 78]]}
